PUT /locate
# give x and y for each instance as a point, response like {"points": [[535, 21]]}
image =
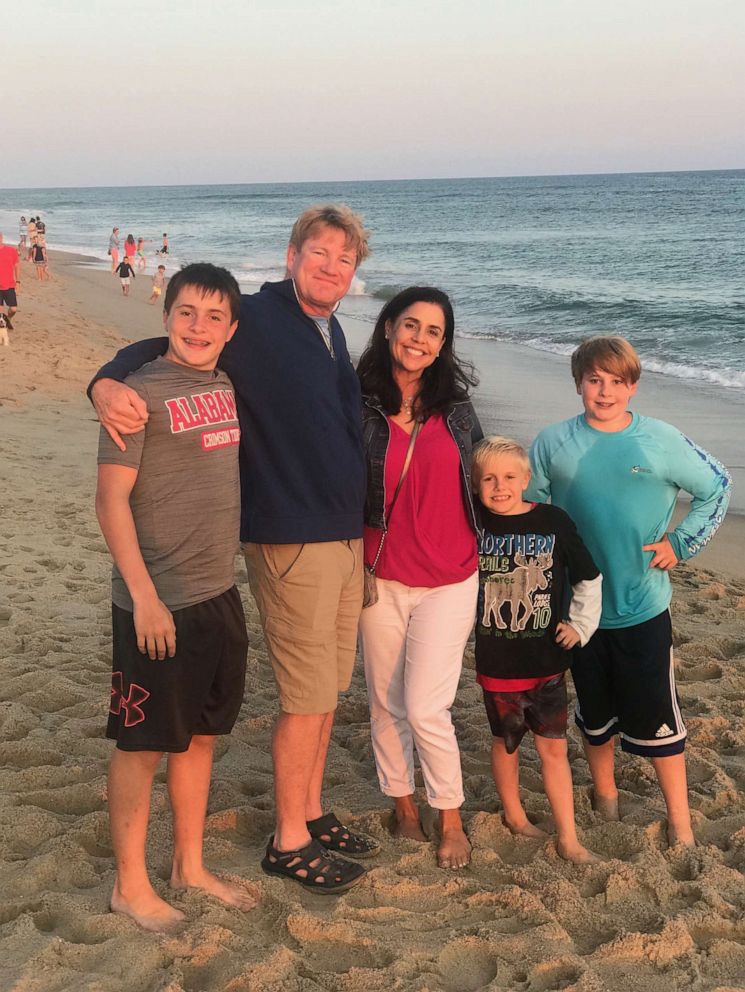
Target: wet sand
{"points": [[647, 919]]}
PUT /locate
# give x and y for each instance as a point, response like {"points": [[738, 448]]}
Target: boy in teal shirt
{"points": [[618, 475]]}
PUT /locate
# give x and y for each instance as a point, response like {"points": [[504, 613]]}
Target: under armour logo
{"points": [[131, 704]]}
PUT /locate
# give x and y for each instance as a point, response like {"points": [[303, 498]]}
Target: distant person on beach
{"points": [[22, 235], [618, 475], [530, 558], [420, 542], [302, 493], [31, 228], [169, 508], [125, 272], [41, 231], [114, 249], [163, 250], [129, 249], [159, 281], [40, 260], [141, 260], [10, 278]]}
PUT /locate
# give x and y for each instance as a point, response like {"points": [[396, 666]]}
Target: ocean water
{"points": [[538, 261]]}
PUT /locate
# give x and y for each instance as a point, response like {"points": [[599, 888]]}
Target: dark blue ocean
{"points": [[540, 261]]}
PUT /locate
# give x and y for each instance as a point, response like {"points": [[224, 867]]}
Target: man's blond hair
{"points": [[610, 354], [491, 446], [337, 215]]}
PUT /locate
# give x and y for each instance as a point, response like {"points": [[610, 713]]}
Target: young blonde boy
{"points": [[530, 558], [159, 281], [169, 508], [618, 474]]}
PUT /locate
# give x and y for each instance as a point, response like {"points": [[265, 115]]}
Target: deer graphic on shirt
{"points": [[516, 588]]}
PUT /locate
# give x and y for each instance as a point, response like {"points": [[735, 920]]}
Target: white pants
{"points": [[412, 643]]}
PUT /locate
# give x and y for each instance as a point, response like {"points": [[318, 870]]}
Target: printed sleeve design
{"points": [[710, 484]]}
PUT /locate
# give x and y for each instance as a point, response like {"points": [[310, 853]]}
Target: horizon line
{"points": [[421, 179]]}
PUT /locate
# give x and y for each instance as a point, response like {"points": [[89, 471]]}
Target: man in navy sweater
{"points": [[302, 496]]}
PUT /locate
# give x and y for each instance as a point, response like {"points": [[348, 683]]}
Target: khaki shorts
{"points": [[310, 599]]}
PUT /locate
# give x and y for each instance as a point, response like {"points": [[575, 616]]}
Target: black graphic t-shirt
{"points": [[527, 566]]}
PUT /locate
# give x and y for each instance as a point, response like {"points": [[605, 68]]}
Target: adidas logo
{"points": [[664, 731]]}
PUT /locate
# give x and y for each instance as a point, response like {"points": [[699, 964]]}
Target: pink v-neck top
{"points": [[430, 541]]}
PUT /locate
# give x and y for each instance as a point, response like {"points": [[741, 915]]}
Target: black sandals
{"points": [[313, 867], [336, 837]]}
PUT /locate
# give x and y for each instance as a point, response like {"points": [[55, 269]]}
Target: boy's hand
{"points": [[664, 556], [566, 636], [120, 409], [155, 629]]}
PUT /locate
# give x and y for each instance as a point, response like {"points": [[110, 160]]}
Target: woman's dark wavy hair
{"points": [[447, 380]]}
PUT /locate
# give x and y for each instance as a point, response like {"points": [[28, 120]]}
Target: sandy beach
{"points": [[646, 919]]}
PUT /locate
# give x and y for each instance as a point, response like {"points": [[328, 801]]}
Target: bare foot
{"points": [[410, 828], [227, 892], [408, 821], [576, 853], [526, 829], [680, 837], [606, 806], [454, 850], [147, 909]]}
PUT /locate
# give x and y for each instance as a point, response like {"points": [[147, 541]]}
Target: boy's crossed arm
{"points": [[156, 631]]}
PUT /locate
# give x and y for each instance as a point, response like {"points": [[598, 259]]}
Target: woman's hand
{"points": [[120, 409]]}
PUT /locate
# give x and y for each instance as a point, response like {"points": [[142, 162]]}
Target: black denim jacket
{"points": [[464, 428]]}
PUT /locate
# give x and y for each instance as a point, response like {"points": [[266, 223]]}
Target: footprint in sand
{"points": [[467, 965], [28, 754], [5, 614], [73, 800], [726, 648], [701, 672], [336, 946], [553, 975], [705, 932]]}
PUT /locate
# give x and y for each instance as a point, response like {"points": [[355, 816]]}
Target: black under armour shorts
{"points": [[161, 705]]}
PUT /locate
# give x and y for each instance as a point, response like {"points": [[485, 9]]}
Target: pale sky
{"points": [[140, 91]]}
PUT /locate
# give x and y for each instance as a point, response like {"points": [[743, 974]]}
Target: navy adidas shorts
{"points": [[625, 685], [161, 705]]}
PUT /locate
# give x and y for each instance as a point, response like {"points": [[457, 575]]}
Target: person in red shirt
{"points": [[9, 279], [420, 542]]}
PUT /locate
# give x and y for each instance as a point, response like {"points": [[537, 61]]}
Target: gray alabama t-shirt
{"points": [[186, 500]]}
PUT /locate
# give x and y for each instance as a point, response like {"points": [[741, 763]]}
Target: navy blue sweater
{"points": [[301, 458]]}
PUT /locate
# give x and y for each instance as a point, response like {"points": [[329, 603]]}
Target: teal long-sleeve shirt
{"points": [[620, 489]]}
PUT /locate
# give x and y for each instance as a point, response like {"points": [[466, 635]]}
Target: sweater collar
{"points": [[286, 288]]}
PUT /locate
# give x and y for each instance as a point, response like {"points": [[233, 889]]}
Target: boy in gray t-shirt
{"points": [[169, 508]]}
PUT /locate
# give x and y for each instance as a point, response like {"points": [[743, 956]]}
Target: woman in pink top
{"points": [[423, 549], [129, 249]]}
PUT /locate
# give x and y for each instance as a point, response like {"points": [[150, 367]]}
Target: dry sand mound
{"points": [[648, 918]]}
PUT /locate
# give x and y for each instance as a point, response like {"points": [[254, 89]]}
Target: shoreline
{"points": [[645, 918], [695, 410]]}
